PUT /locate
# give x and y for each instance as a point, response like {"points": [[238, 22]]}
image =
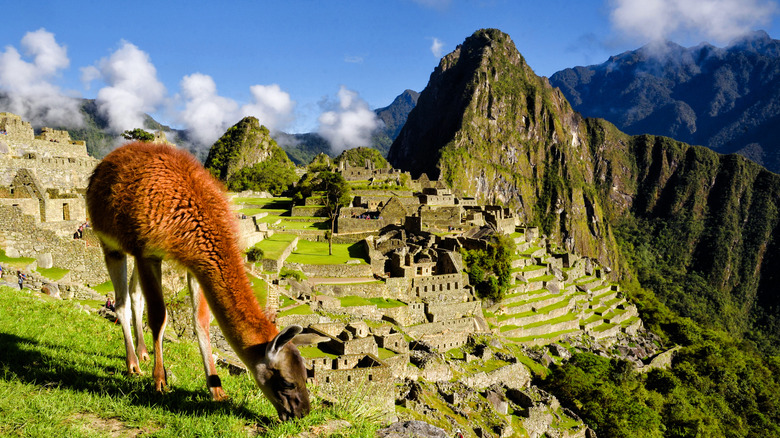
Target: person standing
{"points": [[22, 277]]}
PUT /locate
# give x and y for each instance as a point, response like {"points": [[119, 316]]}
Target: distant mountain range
{"points": [[302, 148], [727, 99]]}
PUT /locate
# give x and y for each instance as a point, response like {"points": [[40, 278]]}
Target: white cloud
{"points": [[437, 47], [272, 106], [353, 59], [715, 20], [348, 123], [132, 88], [28, 83], [206, 114]]}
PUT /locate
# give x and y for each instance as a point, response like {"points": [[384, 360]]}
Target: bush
{"points": [[288, 273], [254, 254]]}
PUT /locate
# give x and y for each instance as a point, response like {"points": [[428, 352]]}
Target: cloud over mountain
{"points": [[27, 81], [716, 20], [347, 123], [132, 88]]}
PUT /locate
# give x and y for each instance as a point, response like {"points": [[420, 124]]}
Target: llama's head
{"points": [[282, 375]]}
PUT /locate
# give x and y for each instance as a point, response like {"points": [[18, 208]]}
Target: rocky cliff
{"points": [[703, 226]]}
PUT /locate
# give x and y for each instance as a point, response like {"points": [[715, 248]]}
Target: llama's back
{"points": [[152, 198]]}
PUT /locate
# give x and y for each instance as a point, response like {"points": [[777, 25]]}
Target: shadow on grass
{"points": [[34, 366]]}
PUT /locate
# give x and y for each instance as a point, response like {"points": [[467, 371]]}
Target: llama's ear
{"points": [[278, 342], [309, 339]]}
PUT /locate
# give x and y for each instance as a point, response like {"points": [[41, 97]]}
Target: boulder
{"points": [[45, 260], [412, 429], [12, 252]]}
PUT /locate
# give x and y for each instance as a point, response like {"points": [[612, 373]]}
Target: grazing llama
{"points": [[154, 201]]}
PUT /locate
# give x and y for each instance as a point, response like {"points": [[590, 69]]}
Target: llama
{"points": [[153, 201]]}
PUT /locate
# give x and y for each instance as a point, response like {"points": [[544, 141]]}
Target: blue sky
{"points": [[303, 66]]}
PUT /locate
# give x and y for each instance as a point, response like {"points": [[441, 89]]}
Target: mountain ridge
{"points": [[722, 98], [708, 219]]}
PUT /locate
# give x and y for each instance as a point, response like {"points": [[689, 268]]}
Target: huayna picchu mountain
{"points": [[699, 228]]}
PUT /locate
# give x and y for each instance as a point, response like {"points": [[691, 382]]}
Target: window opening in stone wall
{"points": [[349, 378], [370, 377], [66, 212], [327, 379]]}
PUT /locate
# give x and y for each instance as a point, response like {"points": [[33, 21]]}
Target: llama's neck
{"points": [[232, 301]]}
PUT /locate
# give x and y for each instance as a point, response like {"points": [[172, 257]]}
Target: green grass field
{"points": [[274, 246], [14, 262], [316, 253], [62, 373]]}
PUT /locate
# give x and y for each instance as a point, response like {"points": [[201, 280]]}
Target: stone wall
{"points": [[62, 173], [446, 340], [409, 315], [455, 325], [367, 290], [84, 259], [515, 376], [275, 265], [435, 285], [441, 312], [346, 270]]}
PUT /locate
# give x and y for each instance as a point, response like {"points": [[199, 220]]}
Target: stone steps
{"points": [[569, 323], [538, 302], [525, 318]]}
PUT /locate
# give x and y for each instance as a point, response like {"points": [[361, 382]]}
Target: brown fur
{"points": [[151, 201]]}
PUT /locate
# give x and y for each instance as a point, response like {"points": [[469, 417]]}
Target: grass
{"points": [[273, 203], [382, 303], [274, 246], [62, 374], [316, 224], [104, 288], [316, 253], [303, 309], [260, 288], [384, 353], [14, 262], [53, 274]]}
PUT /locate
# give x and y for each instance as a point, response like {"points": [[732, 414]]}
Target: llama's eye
{"points": [[287, 385]]}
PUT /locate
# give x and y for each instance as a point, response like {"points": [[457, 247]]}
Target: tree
{"points": [[333, 189], [138, 134], [336, 194]]}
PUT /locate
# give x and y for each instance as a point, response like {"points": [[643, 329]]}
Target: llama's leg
{"points": [[116, 262], [201, 318], [150, 276], [137, 305]]}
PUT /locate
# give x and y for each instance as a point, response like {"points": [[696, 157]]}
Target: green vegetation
{"points": [[273, 246], [333, 190], [302, 309], [247, 158], [356, 157], [53, 273], [381, 303], [104, 288], [286, 272], [260, 288], [489, 271], [14, 262], [254, 254], [62, 374], [315, 253], [138, 134]]}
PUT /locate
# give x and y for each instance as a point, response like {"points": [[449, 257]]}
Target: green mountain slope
{"points": [[244, 145], [699, 228]]}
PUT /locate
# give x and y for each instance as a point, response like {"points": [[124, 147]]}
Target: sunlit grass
{"points": [[62, 373]]}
